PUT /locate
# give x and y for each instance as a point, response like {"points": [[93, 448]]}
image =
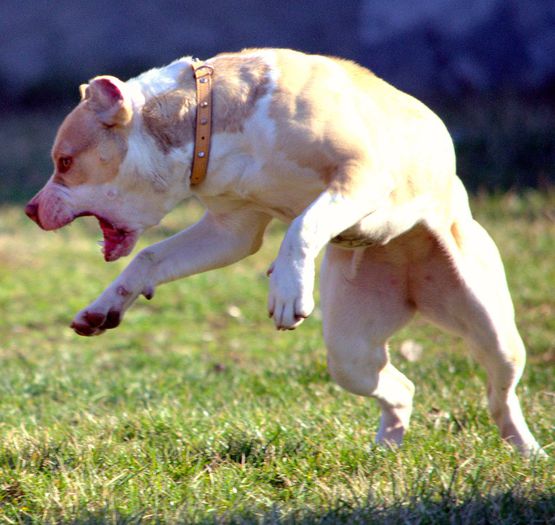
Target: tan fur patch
{"points": [[169, 118], [97, 151], [299, 105], [239, 81], [328, 114]]}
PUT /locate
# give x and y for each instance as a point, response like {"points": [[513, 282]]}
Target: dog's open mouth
{"points": [[118, 242]]}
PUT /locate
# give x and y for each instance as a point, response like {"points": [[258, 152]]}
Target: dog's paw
{"points": [[107, 311], [290, 300], [89, 322]]}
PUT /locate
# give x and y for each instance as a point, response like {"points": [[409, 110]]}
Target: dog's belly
{"points": [[389, 222], [376, 229], [353, 239], [361, 235]]}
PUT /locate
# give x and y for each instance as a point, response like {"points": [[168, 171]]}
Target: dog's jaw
{"points": [[53, 208], [118, 241]]}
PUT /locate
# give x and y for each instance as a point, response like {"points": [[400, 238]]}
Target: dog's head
{"points": [[95, 174]]}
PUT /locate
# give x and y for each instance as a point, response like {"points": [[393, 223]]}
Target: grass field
{"points": [[196, 410]]}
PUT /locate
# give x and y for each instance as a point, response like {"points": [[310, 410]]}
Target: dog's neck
{"points": [[165, 104], [170, 89]]}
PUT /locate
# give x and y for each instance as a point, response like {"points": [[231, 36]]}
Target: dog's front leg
{"points": [[215, 241], [292, 273]]}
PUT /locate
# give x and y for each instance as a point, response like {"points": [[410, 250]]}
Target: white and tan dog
{"points": [[321, 143]]}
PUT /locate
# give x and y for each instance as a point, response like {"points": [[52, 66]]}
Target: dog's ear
{"points": [[107, 96]]}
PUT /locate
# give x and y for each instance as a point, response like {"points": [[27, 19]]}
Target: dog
{"points": [[349, 162]]}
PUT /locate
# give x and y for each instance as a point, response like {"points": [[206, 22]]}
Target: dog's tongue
{"points": [[117, 243]]}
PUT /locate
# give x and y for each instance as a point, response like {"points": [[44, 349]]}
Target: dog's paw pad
{"points": [[85, 329], [94, 319]]}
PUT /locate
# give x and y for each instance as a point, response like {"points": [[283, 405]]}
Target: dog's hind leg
{"points": [[364, 301], [461, 287]]}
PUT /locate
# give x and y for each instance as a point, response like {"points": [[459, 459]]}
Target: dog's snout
{"points": [[32, 211]]}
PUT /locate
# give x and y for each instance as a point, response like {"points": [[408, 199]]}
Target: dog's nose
{"points": [[32, 211]]}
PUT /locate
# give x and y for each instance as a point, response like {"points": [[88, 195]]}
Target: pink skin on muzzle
{"points": [[50, 211]]}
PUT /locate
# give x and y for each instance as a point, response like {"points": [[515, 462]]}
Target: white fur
{"points": [[158, 80]]}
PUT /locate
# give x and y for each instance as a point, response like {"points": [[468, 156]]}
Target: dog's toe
{"points": [[113, 319]]}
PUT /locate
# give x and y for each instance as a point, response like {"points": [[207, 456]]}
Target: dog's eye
{"points": [[64, 163]]}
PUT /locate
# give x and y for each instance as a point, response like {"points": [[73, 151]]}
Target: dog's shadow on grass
{"points": [[510, 507]]}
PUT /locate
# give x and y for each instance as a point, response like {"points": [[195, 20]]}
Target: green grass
{"points": [[196, 410]]}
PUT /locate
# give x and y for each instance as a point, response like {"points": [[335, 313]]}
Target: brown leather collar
{"points": [[203, 76]]}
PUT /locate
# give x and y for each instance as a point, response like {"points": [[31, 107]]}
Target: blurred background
{"points": [[487, 67]]}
